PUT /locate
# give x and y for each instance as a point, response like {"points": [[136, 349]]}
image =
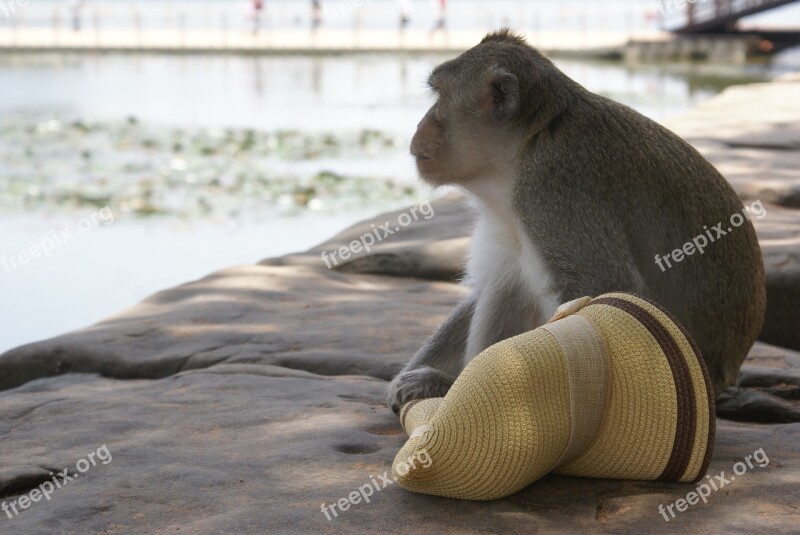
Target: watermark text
{"points": [[378, 234], [376, 485], [709, 235], [57, 481]]}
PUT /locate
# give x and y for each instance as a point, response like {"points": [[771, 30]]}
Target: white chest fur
{"points": [[503, 257]]}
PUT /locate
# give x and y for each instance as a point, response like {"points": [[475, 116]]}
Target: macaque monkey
{"points": [[576, 196]]}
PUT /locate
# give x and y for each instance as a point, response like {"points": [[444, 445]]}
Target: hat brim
{"points": [[659, 420]]}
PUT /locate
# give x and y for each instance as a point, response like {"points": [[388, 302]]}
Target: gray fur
{"points": [[576, 195]]}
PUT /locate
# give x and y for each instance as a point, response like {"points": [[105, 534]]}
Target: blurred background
{"points": [[144, 144]]}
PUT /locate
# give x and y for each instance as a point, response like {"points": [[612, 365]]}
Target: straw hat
{"points": [[611, 387]]}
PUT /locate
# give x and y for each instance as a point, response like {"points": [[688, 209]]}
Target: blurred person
{"points": [[441, 21], [256, 8], [76, 9], [405, 7], [316, 14]]}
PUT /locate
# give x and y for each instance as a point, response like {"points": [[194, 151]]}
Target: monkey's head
{"points": [[487, 99]]}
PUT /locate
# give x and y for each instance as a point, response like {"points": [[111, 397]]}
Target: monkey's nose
{"points": [[419, 152]]}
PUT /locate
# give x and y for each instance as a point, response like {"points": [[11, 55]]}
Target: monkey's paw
{"points": [[420, 383]]}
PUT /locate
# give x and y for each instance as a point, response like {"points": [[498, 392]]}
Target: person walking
{"points": [[316, 14], [76, 8], [258, 8], [441, 22], [405, 7]]}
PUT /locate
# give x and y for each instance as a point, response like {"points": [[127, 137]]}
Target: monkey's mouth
{"points": [[424, 160], [420, 154], [425, 164]]}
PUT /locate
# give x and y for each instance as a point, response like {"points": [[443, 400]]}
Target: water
{"points": [[108, 268], [309, 93]]}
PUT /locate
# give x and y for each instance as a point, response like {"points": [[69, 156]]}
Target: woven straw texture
{"points": [[519, 408]]}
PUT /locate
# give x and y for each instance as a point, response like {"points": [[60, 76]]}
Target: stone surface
{"points": [[779, 235], [433, 248], [767, 390], [241, 402]]}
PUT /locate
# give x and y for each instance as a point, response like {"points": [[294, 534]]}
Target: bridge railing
{"points": [[709, 15]]}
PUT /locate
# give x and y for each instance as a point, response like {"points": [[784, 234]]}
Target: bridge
{"points": [[718, 16], [721, 17]]}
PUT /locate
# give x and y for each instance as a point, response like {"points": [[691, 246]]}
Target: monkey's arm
{"points": [[433, 368]]}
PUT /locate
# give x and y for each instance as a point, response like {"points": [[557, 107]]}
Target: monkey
{"points": [[575, 196]]}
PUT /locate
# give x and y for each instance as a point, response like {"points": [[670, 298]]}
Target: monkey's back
{"points": [[612, 189]]}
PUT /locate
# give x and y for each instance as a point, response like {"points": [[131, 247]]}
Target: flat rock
{"points": [[433, 248], [767, 390], [243, 401], [779, 235], [748, 111]]}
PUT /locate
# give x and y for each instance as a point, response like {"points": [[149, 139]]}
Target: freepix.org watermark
{"points": [[709, 235], [57, 238], [61, 479], [368, 489], [703, 490], [378, 234]]}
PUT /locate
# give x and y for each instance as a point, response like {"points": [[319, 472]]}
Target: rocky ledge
{"points": [[241, 402]]}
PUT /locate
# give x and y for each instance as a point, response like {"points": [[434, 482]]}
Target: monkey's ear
{"points": [[503, 98]]}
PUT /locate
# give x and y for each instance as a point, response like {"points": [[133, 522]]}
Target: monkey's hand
{"points": [[418, 383]]}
